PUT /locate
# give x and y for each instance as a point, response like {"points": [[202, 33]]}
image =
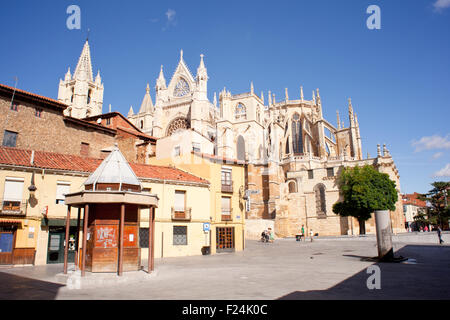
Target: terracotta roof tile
{"points": [[51, 160]]}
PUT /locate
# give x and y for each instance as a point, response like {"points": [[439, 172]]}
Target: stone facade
{"points": [[293, 155], [81, 92], [40, 125]]}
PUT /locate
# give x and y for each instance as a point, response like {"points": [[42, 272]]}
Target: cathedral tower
{"points": [[80, 91]]}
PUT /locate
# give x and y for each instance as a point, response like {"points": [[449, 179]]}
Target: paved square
{"points": [[325, 269]]}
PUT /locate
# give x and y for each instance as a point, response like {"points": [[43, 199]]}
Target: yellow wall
{"points": [[197, 198], [211, 170]]}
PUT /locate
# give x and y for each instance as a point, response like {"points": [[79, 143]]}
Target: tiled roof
{"points": [[413, 199], [50, 160], [33, 96]]}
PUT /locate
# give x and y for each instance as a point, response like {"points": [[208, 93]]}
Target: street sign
{"points": [[206, 227]]}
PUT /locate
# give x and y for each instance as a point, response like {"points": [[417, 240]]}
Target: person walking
{"points": [[311, 233], [302, 233], [439, 233]]}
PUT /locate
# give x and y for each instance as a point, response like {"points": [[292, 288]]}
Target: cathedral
{"points": [[293, 155]]}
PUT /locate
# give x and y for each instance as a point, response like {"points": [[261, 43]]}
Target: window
{"points": [[13, 194], [310, 174], [181, 88], [38, 112], [9, 139], [240, 112], [226, 177], [226, 206], [71, 98], [180, 235], [14, 107], [142, 124], [62, 188], [89, 96], [108, 121], [147, 190], [84, 151], [287, 146], [330, 172], [177, 151], [297, 134], [143, 237], [196, 147], [292, 187], [180, 201]]}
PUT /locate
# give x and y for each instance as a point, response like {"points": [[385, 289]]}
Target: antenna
{"points": [[14, 93]]}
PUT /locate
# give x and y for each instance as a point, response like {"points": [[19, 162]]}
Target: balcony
{"points": [[13, 208], [227, 215], [181, 215], [227, 187]]}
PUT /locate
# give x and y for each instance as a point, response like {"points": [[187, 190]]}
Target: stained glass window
{"points": [[181, 89]]}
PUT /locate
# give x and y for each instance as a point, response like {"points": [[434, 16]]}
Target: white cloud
{"points": [[170, 15], [440, 5], [433, 142], [444, 172], [437, 155]]}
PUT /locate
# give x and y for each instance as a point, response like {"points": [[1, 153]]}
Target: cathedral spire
{"points": [[131, 112], [314, 97], [252, 90], [286, 94], [350, 113], [215, 100], [262, 97], [301, 93], [270, 98], [161, 81], [338, 120], [147, 104], [84, 66]]}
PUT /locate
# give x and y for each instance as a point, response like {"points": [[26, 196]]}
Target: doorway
{"points": [[7, 240], [225, 239], [56, 239]]}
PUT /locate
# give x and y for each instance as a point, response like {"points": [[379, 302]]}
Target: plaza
{"points": [[327, 268]]}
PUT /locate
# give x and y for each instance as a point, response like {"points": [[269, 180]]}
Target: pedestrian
{"points": [[311, 233], [425, 229], [271, 237], [439, 233], [302, 233]]}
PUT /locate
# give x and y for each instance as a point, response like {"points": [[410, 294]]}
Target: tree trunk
{"points": [[362, 226]]}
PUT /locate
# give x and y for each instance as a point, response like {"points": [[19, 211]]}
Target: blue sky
{"points": [[398, 77]]}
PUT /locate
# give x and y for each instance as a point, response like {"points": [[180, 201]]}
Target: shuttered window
{"points": [[226, 205], [62, 188], [13, 189], [180, 198]]}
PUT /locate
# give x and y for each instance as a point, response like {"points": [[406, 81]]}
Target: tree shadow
{"points": [[423, 276], [14, 287]]}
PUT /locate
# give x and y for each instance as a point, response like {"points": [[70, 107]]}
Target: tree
{"points": [[439, 210], [364, 190]]}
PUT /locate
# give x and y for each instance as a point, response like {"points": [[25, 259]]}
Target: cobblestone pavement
{"points": [[285, 269]]}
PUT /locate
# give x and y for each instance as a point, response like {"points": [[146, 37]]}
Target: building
{"points": [[81, 92], [293, 155], [412, 206], [227, 194], [33, 210]]}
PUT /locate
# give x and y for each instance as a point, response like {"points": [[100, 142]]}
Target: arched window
{"points": [[181, 88], [240, 112], [89, 96], [287, 146], [292, 187], [71, 99], [142, 124], [321, 206], [258, 116], [297, 136]]}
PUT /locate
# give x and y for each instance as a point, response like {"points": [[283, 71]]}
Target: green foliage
{"points": [[438, 198], [364, 191]]}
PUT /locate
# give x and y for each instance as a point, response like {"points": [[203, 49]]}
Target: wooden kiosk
{"points": [[111, 201]]}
